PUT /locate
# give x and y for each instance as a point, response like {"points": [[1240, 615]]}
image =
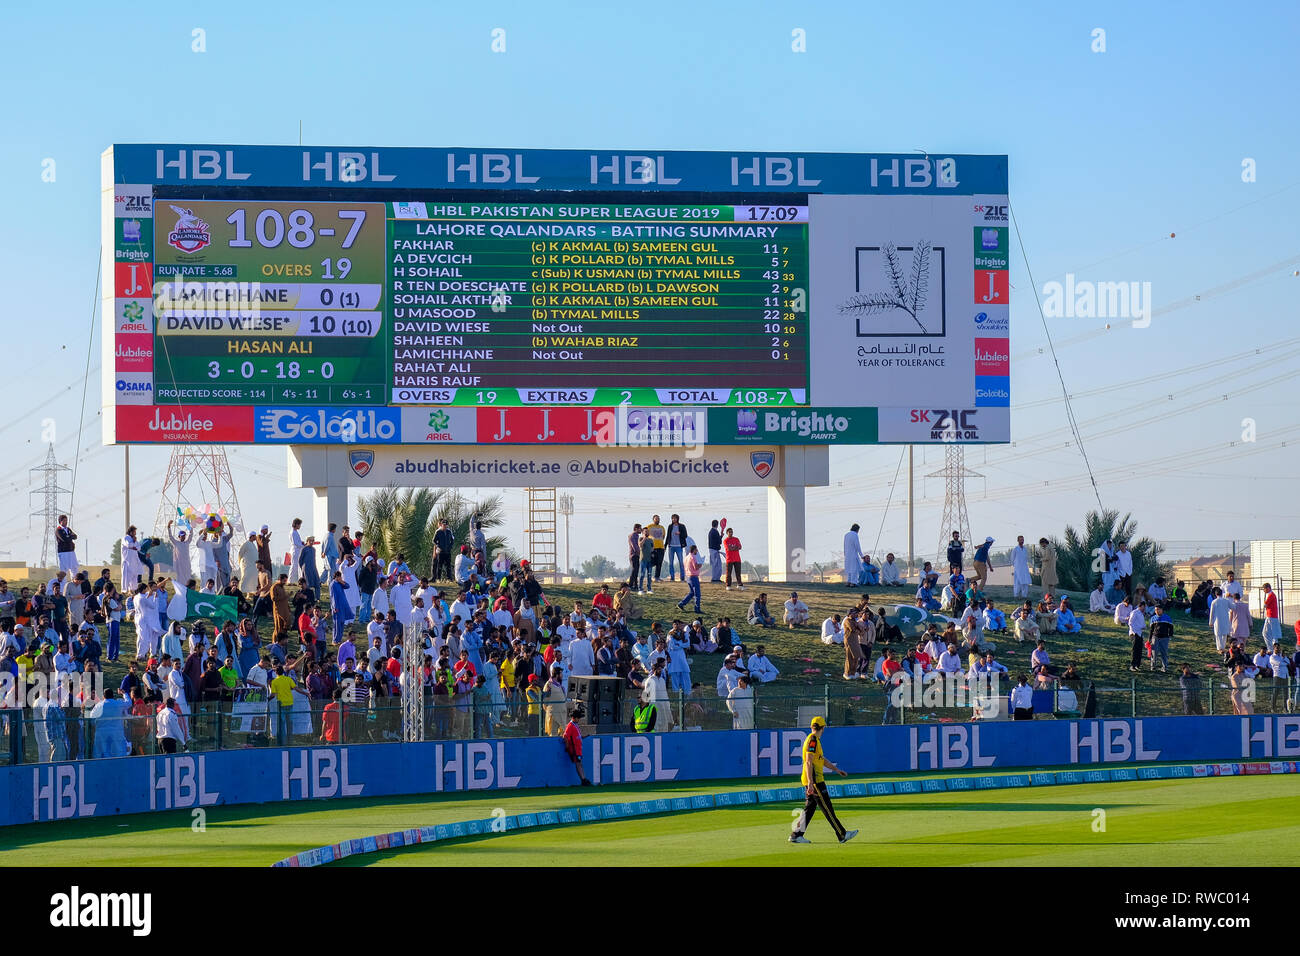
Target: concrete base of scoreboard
{"points": [[785, 471]]}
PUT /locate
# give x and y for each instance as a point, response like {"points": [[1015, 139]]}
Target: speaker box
{"points": [[602, 698]]}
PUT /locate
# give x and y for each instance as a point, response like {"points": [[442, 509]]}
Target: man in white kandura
{"points": [[1020, 568], [852, 558]]}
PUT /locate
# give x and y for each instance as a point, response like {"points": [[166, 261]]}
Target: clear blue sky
{"points": [[1110, 153]]}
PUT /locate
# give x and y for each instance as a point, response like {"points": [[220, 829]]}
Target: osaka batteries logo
{"points": [[191, 233]]}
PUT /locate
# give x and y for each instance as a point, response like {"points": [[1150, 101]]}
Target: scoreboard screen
{"points": [[277, 294], [473, 303]]}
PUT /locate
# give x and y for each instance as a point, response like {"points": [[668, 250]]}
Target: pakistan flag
{"points": [[218, 608]]}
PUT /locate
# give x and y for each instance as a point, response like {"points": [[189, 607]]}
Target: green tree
{"points": [[1078, 553], [403, 520], [598, 566], [115, 557]]}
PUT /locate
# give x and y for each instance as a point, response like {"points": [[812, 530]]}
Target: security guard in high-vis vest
{"points": [[644, 715], [814, 763]]}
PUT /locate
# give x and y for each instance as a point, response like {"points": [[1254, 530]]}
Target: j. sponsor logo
{"points": [[328, 425]]}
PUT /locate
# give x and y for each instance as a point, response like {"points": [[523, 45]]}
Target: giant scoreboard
{"points": [[299, 295]]}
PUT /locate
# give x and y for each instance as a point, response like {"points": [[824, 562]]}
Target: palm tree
{"points": [[402, 521], [1078, 561]]}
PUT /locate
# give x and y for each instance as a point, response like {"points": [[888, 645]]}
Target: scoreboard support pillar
{"points": [[786, 533], [329, 506]]}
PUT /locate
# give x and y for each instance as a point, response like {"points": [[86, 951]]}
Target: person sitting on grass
{"points": [[1040, 661], [796, 611], [832, 630], [761, 668], [994, 619], [1046, 615], [1066, 622], [870, 573], [758, 614], [1026, 628], [1097, 602], [925, 597], [890, 576]]}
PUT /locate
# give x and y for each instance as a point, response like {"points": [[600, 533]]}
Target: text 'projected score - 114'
{"points": [[269, 302], [598, 298]]}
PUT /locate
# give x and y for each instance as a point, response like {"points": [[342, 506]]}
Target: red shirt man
{"points": [[330, 722], [572, 738], [603, 599]]}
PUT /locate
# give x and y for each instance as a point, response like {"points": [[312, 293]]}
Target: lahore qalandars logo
{"points": [[191, 233], [361, 462]]}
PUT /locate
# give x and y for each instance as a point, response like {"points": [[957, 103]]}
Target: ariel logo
{"points": [[439, 420]]}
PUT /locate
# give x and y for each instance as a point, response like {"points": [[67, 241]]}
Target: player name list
{"points": [[518, 295]]}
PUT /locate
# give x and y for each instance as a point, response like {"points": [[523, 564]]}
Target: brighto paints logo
{"points": [[805, 424], [345, 425]]}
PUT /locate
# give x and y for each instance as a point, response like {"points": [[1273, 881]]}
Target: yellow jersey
{"points": [[812, 753]]}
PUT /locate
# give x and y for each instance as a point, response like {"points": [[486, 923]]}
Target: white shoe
{"points": [[849, 835], [728, 587], [801, 839]]}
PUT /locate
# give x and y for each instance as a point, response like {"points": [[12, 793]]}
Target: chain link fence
{"points": [[51, 733]]}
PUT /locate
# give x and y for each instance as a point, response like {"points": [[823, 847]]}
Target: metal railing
{"points": [[38, 735]]}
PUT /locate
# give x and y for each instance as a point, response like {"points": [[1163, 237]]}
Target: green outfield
{"points": [[1224, 821]]}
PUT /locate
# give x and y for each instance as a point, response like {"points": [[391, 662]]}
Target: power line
{"points": [[1069, 407]]}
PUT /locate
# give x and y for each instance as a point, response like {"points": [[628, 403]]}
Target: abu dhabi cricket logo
{"points": [[904, 306]]}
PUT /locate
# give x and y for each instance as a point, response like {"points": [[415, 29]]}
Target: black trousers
{"points": [[442, 563], [659, 561], [819, 800], [636, 573], [1023, 713], [1139, 647]]}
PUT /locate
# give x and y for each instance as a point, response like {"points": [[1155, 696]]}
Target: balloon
{"points": [[723, 524]]}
